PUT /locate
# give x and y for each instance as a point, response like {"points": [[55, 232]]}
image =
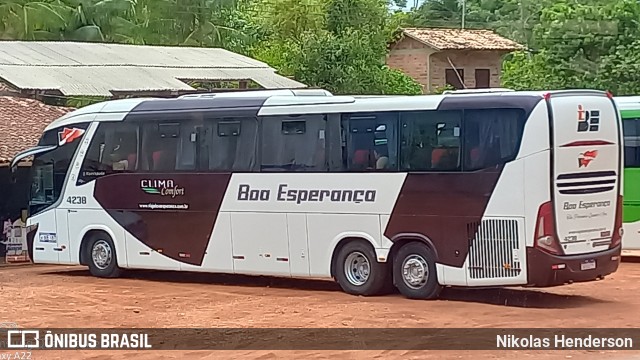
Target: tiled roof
{"points": [[22, 122], [459, 39]]}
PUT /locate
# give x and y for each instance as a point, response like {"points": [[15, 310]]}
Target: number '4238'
{"points": [[77, 200]]}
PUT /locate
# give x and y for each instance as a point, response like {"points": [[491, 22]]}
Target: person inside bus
{"points": [[381, 154], [119, 161], [123, 157]]}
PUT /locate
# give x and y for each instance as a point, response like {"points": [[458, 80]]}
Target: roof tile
{"points": [[461, 39], [22, 122]]}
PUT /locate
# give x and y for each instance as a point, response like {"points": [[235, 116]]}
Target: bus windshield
{"points": [[50, 168]]}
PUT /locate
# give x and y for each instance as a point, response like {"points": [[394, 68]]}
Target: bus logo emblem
{"points": [[67, 136], [162, 188], [588, 120], [586, 157]]}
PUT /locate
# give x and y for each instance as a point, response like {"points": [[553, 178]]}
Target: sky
{"points": [[411, 3]]}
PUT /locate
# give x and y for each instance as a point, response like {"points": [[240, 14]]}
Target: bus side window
{"points": [[121, 150], [430, 140], [371, 141], [631, 130], [114, 148], [492, 137], [231, 144], [172, 145], [293, 143], [159, 146]]}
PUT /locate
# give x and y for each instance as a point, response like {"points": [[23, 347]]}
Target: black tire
{"points": [[378, 275], [422, 257], [109, 268]]}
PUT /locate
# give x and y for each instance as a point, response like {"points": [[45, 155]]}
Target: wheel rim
{"points": [[101, 254], [415, 271], [357, 268]]}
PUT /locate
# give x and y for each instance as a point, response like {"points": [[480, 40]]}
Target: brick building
{"points": [[430, 55]]}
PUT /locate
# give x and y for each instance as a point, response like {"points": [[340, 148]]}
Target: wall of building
{"points": [[412, 58], [469, 61], [427, 66], [13, 196]]}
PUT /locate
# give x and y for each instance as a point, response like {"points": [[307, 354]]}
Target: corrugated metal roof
{"points": [[96, 69]]}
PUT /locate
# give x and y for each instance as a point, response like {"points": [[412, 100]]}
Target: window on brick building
{"points": [[453, 79]]}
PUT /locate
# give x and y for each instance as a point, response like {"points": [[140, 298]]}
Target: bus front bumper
{"points": [[544, 270], [31, 234]]}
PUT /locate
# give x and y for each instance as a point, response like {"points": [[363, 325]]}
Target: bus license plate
{"points": [[589, 265]]}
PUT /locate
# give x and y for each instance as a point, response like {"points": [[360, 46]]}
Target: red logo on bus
{"points": [[67, 135], [586, 157]]}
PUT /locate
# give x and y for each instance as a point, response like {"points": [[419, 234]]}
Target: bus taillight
{"points": [[616, 239], [545, 238]]}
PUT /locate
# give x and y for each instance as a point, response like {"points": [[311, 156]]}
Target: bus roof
{"points": [[627, 103], [307, 101]]}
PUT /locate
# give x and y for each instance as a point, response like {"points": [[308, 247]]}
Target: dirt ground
{"points": [[61, 296]]}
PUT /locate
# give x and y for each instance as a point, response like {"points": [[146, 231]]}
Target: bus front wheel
{"points": [[101, 253], [358, 272], [414, 272]]}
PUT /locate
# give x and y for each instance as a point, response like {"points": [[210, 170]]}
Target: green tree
{"points": [[580, 44], [32, 20], [619, 71], [339, 46], [160, 22]]}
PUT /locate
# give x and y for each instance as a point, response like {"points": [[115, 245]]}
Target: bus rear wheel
{"points": [[414, 272], [358, 272], [101, 253]]}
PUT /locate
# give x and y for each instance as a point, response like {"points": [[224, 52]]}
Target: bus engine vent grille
{"points": [[493, 249]]}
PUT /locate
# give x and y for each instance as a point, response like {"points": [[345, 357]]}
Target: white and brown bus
{"points": [[495, 188]]}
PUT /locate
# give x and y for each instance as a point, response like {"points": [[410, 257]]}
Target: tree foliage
{"points": [[341, 45], [571, 43], [337, 45]]}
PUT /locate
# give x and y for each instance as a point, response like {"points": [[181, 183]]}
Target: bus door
{"points": [[51, 237], [586, 170], [79, 210], [73, 215]]}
